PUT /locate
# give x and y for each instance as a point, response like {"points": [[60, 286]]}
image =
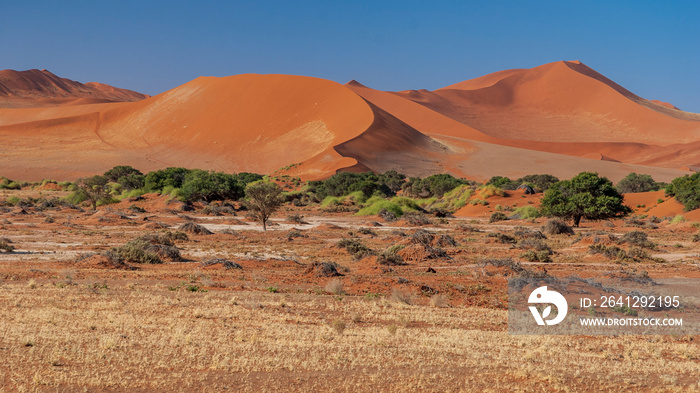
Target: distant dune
{"points": [[560, 118], [35, 88]]}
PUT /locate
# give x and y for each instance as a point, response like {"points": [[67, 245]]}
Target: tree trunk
{"points": [[577, 220]]}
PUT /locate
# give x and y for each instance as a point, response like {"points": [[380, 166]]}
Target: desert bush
{"points": [[637, 183], [502, 238], [536, 256], [172, 178], [638, 253], [467, 228], [294, 233], [7, 184], [391, 257], [417, 219], [539, 182], [535, 244], [216, 210], [323, 269], [200, 185], [526, 233], [228, 265], [376, 205], [434, 185], [612, 252], [686, 189], [127, 177], [696, 238], [677, 220], [5, 245], [296, 218], [387, 215], [637, 238], [497, 216], [356, 248], [525, 212], [367, 183], [194, 229], [136, 252], [557, 227], [366, 231]]}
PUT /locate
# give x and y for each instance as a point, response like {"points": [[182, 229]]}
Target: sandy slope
{"points": [[36, 88], [559, 118], [257, 123]]}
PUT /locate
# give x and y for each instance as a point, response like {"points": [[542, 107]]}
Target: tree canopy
{"points": [[587, 195]]}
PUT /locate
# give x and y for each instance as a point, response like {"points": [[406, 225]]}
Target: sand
{"points": [[560, 118]]}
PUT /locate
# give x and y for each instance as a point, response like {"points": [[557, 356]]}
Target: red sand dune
{"points": [[559, 118], [35, 88]]}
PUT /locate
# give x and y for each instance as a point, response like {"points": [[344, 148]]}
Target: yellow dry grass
{"points": [[141, 338]]}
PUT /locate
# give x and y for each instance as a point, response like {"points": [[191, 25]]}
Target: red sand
{"points": [[559, 118]]}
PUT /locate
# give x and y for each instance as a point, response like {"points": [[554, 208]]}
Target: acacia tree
{"points": [[637, 183], [587, 195], [263, 198], [94, 189]]}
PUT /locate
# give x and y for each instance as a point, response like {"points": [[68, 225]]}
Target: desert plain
{"points": [[275, 319]]}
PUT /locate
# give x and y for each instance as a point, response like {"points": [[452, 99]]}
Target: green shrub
{"points": [[525, 212], [488, 191], [367, 183], [677, 220], [637, 183], [375, 206], [539, 182], [157, 181], [432, 186], [357, 197], [587, 195], [686, 189], [612, 252], [536, 256], [210, 186]]}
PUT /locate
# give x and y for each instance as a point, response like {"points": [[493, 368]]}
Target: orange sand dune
{"points": [[560, 118], [561, 102], [35, 88], [257, 123]]}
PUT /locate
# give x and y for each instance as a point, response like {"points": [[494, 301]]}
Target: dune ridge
{"points": [[35, 88], [560, 118]]}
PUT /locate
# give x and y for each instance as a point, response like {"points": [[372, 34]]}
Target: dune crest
{"points": [[560, 118], [36, 88]]}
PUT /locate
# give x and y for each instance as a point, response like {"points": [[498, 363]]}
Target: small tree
{"points": [[263, 198], [585, 196], [637, 183], [94, 189], [686, 189]]}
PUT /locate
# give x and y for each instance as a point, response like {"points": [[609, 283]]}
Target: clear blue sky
{"points": [[649, 47]]}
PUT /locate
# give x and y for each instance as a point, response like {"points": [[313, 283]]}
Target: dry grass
{"points": [[270, 326]]}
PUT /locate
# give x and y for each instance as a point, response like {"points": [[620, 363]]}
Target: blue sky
{"points": [[649, 47]]}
